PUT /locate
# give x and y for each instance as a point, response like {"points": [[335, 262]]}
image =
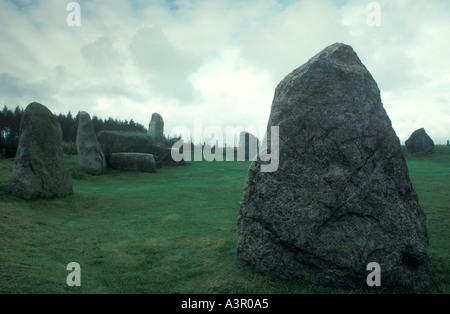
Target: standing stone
{"points": [[248, 146], [156, 128], [419, 143], [39, 169], [90, 153], [341, 197]]}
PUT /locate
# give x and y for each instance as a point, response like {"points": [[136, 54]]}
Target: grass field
{"points": [[168, 232]]}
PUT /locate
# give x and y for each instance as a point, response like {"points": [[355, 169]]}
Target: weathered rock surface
{"points": [[90, 154], [248, 146], [40, 170], [120, 142], [341, 197], [156, 128], [130, 142], [133, 162], [163, 153], [419, 143]]}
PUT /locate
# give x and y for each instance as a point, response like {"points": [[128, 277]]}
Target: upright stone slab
{"points": [[419, 143], [90, 153], [39, 169], [341, 197], [156, 128], [248, 146]]}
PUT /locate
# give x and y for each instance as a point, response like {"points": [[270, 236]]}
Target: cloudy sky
{"points": [[219, 60]]}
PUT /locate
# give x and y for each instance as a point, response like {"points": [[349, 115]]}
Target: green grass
{"points": [[168, 232], [430, 175]]}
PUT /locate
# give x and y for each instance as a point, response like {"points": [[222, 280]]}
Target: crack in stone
{"points": [[295, 249], [355, 172]]}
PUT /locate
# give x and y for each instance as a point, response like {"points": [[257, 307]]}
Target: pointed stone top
{"points": [[419, 143], [156, 127], [337, 55]]}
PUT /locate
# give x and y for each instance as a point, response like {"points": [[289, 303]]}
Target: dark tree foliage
{"points": [[67, 122], [10, 127]]}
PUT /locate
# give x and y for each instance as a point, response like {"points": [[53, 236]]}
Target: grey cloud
{"points": [[166, 67], [114, 88], [395, 71], [101, 53], [288, 38], [18, 91]]}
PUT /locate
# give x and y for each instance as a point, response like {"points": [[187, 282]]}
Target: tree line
{"points": [[10, 126]]}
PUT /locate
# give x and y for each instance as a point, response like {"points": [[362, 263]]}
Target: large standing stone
{"points": [[341, 197], [419, 143], [90, 154], [156, 128], [39, 169]]}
